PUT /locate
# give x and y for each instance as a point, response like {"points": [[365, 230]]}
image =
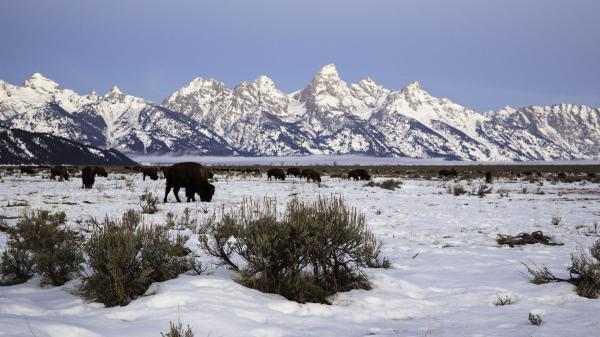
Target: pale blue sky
{"points": [[480, 53]]}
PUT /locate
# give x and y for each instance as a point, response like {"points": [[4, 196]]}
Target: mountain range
{"points": [[328, 116]]}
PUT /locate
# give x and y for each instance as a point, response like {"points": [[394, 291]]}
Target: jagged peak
{"points": [[264, 81], [39, 81], [368, 83], [413, 86], [203, 81], [329, 70], [115, 90]]}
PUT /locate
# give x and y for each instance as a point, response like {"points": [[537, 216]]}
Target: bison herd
{"points": [[192, 177]]}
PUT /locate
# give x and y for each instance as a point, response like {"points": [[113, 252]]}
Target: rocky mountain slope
{"points": [[22, 147], [328, 116]]}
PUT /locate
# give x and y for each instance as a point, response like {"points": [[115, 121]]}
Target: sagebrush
{"points": [[314, 250], [41, 243], [584, 273], [124, 261]]}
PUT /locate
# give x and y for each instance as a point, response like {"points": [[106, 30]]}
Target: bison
{"points": [[311, 174], [294, 171], [27, 170], [88, 175], [444, 173], [275, 173], [359, 174], [151, 172], [60, 171], [100, 171], [191, 176]]}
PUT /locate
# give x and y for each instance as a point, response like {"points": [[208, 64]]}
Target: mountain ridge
{"points": [[328, 116]]}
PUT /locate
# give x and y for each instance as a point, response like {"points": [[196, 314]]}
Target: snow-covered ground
{"points": [[447, 271]]}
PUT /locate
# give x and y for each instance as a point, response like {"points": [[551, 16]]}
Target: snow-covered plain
{"points": [[447, 271]]}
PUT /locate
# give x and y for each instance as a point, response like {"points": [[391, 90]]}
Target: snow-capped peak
{"points": [[264, 82], [114, 91], [37, 81], [413, 86], [329, 70]]}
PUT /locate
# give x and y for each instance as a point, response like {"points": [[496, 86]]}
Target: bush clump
{"points": [[457, 190], [177, 330], [482, 190], [148, 202], [185, 221], [388, 184], [40, 243], [584, 273], [125, 260], [526, 239], [312, 252]]}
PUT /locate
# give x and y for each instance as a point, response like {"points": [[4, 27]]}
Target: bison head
{"points": [[153, 175], [206, 192]]}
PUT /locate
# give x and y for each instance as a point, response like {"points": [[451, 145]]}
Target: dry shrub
{"points": [[312, 252], [41, 243], [482, 190], [584, 273], [125, 260], [176, 330], [526, 239], [148, 202], [457, 190], [185, 221], [388, 184]]}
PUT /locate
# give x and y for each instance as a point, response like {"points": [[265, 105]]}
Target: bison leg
{"points": [[167, 190], [176, 192]]}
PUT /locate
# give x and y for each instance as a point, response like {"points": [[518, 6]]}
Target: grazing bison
{"points": [[100, 171], [444, 173], [275, 173], [359, 174], [191, 176], [311, 174], [60, 171], [88, 176], [27, 170], [151, 172], [294, 171]]}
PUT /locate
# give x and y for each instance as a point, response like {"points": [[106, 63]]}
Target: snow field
{"points": [[447, 271]]}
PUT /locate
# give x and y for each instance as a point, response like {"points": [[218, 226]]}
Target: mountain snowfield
{"points": [[328, 116]]}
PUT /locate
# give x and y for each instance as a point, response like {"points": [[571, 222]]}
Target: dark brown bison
{"points": [[88, 176], [311, 174], [359, 174], [100, 171], [59, 171], [294, 171], [444, 173], [27, 170], [191, 176], [488, 177], [276, 173], [151, 172]]}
